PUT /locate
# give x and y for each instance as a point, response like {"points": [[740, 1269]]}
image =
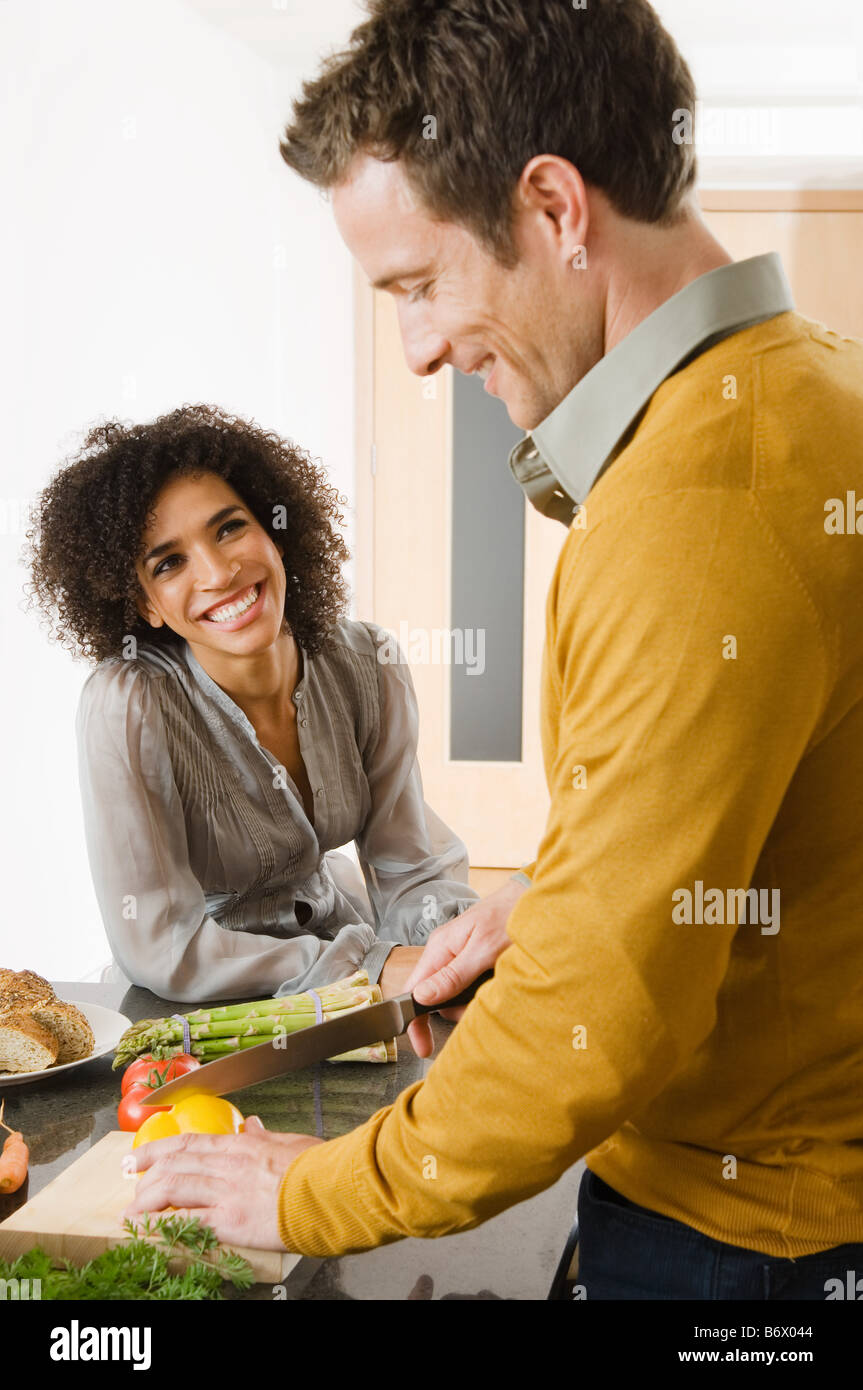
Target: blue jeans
{"points": [[626, 1251]]}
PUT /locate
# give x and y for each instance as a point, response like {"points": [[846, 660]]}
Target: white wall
{"points": [[781, 86], [145, 200]]}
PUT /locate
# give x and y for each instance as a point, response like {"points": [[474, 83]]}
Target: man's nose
{"points": [[424, 348]]}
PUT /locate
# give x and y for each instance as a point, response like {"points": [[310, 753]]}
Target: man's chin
{"points": [[528, 412], [524, 413], [522, 416]]}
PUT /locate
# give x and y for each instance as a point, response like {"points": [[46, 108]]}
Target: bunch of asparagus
{"points": [[215, 1032]]}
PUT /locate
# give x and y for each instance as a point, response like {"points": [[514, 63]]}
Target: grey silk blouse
{"points": [[200, 846]]}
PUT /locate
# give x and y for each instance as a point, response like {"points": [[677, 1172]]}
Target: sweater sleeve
{"points": [[153, 907], [667, 764]]}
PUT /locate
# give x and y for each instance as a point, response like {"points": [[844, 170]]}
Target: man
{"points": [[676, 993]]}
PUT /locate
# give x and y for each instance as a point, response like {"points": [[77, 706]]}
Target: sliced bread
{"points": [[25, 1045], [71, 1029]]}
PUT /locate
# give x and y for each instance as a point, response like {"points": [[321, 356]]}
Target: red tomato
{"points": [[131, 1112], [142, 1071], [141, 1079]]}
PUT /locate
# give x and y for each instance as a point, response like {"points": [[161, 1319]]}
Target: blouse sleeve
{"points": [[525, 874], [415, 867], [152, 905]]}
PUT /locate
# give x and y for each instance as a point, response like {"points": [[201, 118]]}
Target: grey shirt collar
{"points": [[558, 462]]}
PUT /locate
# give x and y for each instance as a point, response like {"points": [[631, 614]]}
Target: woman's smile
{"points": [[239, 610]]}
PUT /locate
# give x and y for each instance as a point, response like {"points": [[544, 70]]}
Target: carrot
{"points": [[14, 1158]]}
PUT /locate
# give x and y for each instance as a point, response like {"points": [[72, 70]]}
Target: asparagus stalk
{"points": [[146, 1033], [287, 1022], [291, 1023], [374, 1052], [228, 1028], [377, 1052], [214, 1048], [331, 996], [207, 1050], [332, 999]]}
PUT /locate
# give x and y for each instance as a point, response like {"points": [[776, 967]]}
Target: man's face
{"points": [[457, 305]]}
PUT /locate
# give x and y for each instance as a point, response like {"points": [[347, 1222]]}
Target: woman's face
{"points": [[208, 569]]}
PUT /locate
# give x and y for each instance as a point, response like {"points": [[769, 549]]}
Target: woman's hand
{"points": [[398, 968], [229, 1181], [456, 953]]}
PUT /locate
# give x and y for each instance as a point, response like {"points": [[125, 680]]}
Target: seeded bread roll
{"points": [[37, 984], [71, 1029], [20, 1001], [25, 1045], [19, 988]]}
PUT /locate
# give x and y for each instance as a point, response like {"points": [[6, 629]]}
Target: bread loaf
{"points": [[58, 1031]]}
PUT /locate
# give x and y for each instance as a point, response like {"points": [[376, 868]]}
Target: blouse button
{"points": [[319, 791], [304, 721]]}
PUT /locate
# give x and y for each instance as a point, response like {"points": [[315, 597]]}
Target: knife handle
{"points": [[463, 998]]}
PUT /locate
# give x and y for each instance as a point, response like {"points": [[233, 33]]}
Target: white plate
{"points": [[108, 1028]]}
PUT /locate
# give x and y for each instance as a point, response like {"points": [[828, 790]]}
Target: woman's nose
{"points": [[214, 570]]}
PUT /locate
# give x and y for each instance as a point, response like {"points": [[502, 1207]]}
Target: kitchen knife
{"points": [[288, 1051]]}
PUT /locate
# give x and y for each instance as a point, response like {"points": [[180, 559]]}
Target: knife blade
{"points": [[288, 1052]]}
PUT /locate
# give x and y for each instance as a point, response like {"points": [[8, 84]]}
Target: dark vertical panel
{"points": [[486, 619]]}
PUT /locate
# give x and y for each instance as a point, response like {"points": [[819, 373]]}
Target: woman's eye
{"points": [[163, 564], [419, 293], [170, 562]]}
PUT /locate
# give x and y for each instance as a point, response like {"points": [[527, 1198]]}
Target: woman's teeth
{"points": [[234, 610]]}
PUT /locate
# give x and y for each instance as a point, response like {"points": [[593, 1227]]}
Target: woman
{"points": [[237, 728]]}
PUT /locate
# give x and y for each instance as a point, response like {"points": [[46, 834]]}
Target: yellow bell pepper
{"points": [[197, 1114]]}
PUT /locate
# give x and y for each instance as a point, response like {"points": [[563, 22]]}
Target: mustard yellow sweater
{"points": [[703, 735]]}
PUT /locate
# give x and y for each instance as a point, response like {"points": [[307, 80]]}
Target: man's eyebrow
{"points": [[169, 545], [388, 280]]}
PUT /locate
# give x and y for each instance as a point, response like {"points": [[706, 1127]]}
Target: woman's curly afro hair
{"points": [[87, 526]]}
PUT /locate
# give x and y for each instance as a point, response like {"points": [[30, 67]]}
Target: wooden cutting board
{"points": [[78, 1215]]}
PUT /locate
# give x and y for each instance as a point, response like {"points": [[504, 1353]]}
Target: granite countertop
{"points": [[515, 1255]]}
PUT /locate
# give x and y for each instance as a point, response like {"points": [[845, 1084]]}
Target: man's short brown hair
{"points": [[504, 80]]}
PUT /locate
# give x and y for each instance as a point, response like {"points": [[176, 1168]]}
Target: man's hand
{"points": [[229, 1181], [456, 953]]}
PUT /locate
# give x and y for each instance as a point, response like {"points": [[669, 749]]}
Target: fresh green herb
{"points": [[138, 1268]]}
